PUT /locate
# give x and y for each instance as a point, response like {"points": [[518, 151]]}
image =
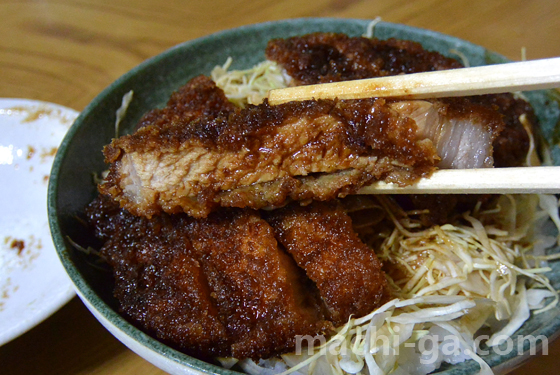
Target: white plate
{"points": [[33, 283]]}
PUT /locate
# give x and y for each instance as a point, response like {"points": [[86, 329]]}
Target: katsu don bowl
{"points": [[91, 238]]}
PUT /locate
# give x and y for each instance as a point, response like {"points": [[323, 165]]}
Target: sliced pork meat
{"points": [[512, 144], [220, 286], [321, 240], [328, 57], [264, 156], [462, 132], [177, 167]]}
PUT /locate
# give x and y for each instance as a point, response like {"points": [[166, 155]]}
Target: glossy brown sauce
{"points": [[329, 57], [220, 286]]}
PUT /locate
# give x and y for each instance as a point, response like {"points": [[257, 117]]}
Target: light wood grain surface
{"points": [[67, 51]]}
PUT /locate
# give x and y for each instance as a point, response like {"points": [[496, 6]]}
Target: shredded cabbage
{"points": [[371, 27], [485, 259], [121, 112], [249, 86]]}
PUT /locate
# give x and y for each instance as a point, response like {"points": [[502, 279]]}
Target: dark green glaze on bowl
{"points": [[71, 185]]}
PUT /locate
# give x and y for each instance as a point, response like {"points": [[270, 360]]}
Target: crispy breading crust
{"points": [[329, 57], [321, 240], [219, 286]]}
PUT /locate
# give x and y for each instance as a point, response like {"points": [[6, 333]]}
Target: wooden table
{"points": [[67, 51]]}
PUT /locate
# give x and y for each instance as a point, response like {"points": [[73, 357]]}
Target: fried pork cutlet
{"points": [[187, 167], [265, 156], [321, 240], [263, 298], [159, 283], [328, 57], [214, 287]]}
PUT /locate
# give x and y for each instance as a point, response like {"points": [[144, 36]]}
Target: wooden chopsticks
{"points": [[488, 79], [515, 180]]}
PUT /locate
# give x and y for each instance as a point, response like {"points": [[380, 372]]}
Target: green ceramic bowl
{"points": [[79, 156]]}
